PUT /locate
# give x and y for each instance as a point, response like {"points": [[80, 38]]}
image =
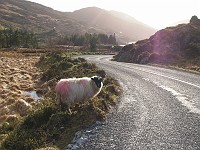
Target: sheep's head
{"points": [[98, 81]]}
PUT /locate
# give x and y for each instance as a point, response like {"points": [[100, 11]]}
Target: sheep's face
{"points": [[97, 80]]}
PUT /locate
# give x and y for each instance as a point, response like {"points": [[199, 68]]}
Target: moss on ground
{"points": [[46, 126]]}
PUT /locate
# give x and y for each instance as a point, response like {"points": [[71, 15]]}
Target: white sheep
{"points": [[77, 90]]}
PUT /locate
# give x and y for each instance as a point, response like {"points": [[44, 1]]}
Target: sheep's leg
{"points": [[58, 101], [60, 107], [69, 110]]}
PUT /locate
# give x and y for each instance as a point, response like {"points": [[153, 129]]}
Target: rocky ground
{"points": [[18, 76]]}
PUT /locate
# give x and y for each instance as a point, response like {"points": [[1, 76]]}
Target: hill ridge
{"points": [[40, 19]]}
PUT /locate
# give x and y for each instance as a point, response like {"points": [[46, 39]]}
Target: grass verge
{"points": [[46, 126]]}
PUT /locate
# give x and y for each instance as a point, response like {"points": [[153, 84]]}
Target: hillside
{"points": [[45, 20], [36, 17], [124, 26], [179, 45]]}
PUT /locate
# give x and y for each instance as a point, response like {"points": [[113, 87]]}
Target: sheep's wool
{"points": [[75, 90]]}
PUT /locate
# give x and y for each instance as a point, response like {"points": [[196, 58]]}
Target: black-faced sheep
{"points": [[77, 90]]}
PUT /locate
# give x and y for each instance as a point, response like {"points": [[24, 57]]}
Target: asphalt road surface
{"points": [[159, 109]]}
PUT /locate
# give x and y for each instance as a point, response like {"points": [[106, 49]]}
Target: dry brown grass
{"points": [[18, 73]]}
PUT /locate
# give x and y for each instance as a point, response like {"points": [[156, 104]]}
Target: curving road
{"points": [[159, 109]]}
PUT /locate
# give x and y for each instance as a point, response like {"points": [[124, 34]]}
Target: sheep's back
{"points": [[63, 88], [83, 89]]}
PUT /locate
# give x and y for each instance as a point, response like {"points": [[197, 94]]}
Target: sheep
{"points": [[77, 90]]}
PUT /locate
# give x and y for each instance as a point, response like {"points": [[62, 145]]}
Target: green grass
{"points": [[46, 126], [2, 27]]}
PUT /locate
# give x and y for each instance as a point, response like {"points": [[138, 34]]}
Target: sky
{"points": [[155, 13]]}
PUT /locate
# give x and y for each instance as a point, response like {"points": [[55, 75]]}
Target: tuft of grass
{"points": [[46, 126], [2, 28]]}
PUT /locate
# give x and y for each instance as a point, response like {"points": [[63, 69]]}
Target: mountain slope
{"points": [[36, 17], [114, 22], [170, 45], [42, 19]]}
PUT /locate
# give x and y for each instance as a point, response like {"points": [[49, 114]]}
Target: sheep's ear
{"points": [[100, 79], [92, 78], [97, 78]]}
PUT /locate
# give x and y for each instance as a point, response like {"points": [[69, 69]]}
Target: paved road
{"points": [[159, 109]]}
